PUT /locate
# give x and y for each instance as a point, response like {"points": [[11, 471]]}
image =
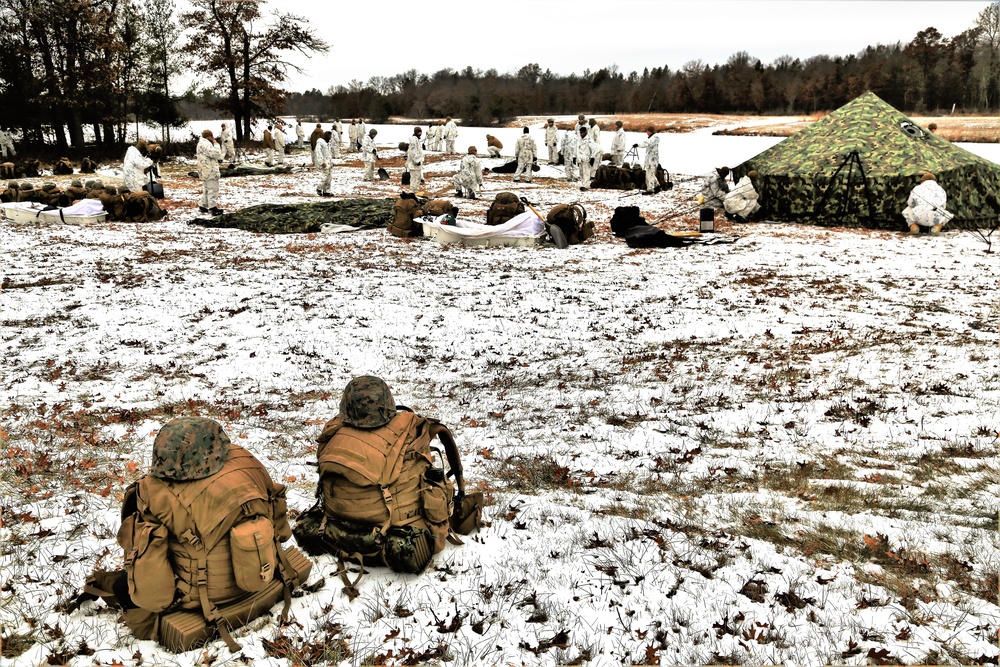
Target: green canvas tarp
{"points": [[361, 213], [857, 166]]}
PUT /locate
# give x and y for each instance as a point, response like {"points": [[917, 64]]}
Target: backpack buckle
{"points": [[265, 572]]}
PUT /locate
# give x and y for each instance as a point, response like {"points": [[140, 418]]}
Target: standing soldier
{"points": [[334, 141], [229, 150], [652, 161], [527, 152], [137, 165], [594, 133], [552, 140], [300, 134], [325, 164], [581, 122], [469, 179], [208, 154], [570, 143], [278, 137], [268, 146], [352, 135], [450, 134], [316, 135], [361, 133], [339, 127], [7, 144], [370, 154], [588, 157], [618, 145], [415, 160]]}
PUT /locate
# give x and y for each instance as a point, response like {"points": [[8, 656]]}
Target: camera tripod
{"points": [[632, 152]]}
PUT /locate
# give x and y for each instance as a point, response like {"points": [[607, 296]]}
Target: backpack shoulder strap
{"points": [[444, 434]]}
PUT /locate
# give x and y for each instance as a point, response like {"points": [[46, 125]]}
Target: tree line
{"points": [[74, 71]]}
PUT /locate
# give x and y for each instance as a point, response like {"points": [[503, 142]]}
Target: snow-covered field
{"points": [[777, 451]]}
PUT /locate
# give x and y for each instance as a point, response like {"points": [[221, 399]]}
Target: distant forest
{"points": [[929, 74], [74, 74]]}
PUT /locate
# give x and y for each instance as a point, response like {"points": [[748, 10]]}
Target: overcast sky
{"points": [[386, 37]]}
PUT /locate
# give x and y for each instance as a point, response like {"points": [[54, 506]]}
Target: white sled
{"points": [[84, 212], [525, 229]]}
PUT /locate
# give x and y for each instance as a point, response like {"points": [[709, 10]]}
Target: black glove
{"points": [[591, 162], [375, 153], [416, 164], [574, 162]]}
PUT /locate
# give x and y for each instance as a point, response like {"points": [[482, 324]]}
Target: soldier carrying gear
{"points": [[137, 165], [201, 534]]}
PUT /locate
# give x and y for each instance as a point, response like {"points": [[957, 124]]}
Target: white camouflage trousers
{"points": [[210, 193]]}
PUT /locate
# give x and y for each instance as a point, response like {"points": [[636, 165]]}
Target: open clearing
{"points": [[777, 451]]}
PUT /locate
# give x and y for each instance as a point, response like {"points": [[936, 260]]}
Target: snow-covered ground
{"points": [[777, 451]]}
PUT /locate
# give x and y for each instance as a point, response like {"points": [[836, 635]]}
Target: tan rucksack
{"points": [[572, 220], [405, 210], [384, 496], [142, 207], [231, 553], [504, 207], [438, 207]]}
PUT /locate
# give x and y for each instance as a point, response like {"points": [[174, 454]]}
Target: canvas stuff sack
{"points": [[404, 211], [385, 497], [505, 206], [572, 220]]}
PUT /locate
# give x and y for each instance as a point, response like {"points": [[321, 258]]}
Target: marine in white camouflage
{"points": [[370, 154], [715, 187], [925, 206], [618, 145], [469, 179], [652, 160], [208, 154], [137, 166], [552, 140], [568, 147], [325, 157], [228, 148], [526, 151], [334, 142], [415, 160], [450, 134], [741, 202], [588, 157], [279, 145]]}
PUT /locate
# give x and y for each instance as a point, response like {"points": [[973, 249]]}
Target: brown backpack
{"points": [[141, 207], [385, 496], [405, 210], [438, 207], [230, 551], [572, 220], [504, 207]]}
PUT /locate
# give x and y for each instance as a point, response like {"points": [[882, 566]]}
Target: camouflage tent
{"points": [[856, 167]]}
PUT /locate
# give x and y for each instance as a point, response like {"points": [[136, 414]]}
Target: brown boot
{"points": [[936, 230], [914, 228]]}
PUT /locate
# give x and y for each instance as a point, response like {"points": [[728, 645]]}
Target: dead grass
{"points": [[970, 129]]}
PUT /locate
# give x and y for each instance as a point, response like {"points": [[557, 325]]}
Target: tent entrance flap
{"points": [[848, 196]]}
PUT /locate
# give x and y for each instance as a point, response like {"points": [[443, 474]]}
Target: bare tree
{"points": [[247, 58]]}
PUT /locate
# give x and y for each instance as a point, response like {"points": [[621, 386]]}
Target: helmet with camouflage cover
{"points": [[189, 448], [367, 403]]}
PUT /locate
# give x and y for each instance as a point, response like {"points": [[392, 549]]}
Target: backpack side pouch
{"points": [[147, 563], [255, 557]]}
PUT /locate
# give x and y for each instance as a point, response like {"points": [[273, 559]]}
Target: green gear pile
{"points": [[362, 213]]}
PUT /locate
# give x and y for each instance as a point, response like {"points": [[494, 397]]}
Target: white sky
{"points": [[388, 37]]}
